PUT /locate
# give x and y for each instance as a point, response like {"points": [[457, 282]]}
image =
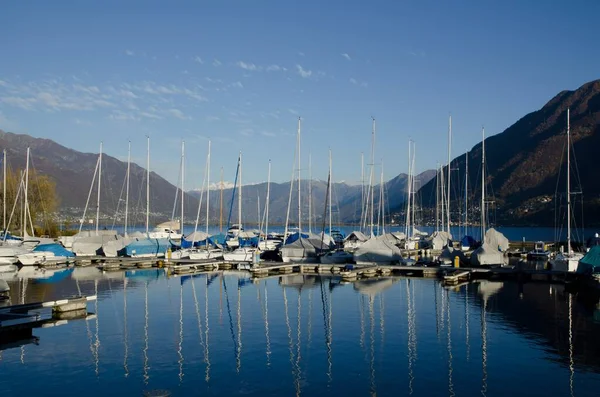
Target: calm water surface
{"points": [[223, 334]]}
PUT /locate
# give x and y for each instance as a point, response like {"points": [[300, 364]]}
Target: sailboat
{"points": [[246, 249], [299, 247], [112, 247], [487, 253], [148, 247], [567, 261], [269, 242], [198, 245], [337, 256], [89, 242]]}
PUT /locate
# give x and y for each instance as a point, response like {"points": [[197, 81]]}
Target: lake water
{"points": [[224, 334]]}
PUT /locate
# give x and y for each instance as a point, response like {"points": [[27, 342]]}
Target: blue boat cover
{"points": [[147, 246], [55, 248], [468, 241], [249, 242], [295, 236], [188, 243]]}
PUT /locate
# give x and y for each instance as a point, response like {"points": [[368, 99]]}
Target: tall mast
{"points": [[127, 187], [207, 191], [362, 188], [330, 189], [4, 191], [568, 180], [267, 199], [408, 182], [26, 203], [382, 201], [310, 193], [449, 173], [221, 206], [443, 197], [466, 193], [182, 183], [482, 185], [240, 192], [289, 206], [437, 198], [99, 184], [148, 185], [413, 190], [299, 195], [372, 173]]}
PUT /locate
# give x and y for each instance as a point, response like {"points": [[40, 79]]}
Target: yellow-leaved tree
{"points": [[42, 202]]}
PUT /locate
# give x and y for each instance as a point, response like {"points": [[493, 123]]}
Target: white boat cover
{"points": [[487, 255], [440, 239], [356, 236], [380, 249], [496, 239]]}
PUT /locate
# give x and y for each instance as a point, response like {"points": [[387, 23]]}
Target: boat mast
{"points": [[26, 203], [413, 190], [182, 183], [482, 185], [221, 206], [147, 185], [362, 188], [382, 201], [4, 191], [437, 198], [207, 192], [289, 206], [240, 193], [372, 173], [267, 203], [127, 187], [299, 196], [99, 184], [330, 189], [466, 193], [449, 173], [310, 193], [568, 181], [408, 182]]}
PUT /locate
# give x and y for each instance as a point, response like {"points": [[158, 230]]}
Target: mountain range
{"points": [[74, 171], [526, 165]]}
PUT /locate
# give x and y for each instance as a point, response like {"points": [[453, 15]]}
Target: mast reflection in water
{"points": [[225, 334]]}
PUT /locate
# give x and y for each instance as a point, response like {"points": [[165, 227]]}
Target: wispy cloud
{"points": [[237, 84], [248, 66], [293, 111], [216, 63], [359, 83], [199, 60], [276, 68], [129, 53], [177, 114], [268, 133], [300, 53], [213, 81], [247, 132], [345, 55], [304, 73], [213, 118]]}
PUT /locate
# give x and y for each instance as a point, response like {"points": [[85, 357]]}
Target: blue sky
{"points": [[241, 72]]}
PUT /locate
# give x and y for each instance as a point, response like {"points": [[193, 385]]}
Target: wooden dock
{"points": [[18, 321]]}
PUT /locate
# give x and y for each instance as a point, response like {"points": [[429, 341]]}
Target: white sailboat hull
{"points": [[240, 255], [566, 263]]}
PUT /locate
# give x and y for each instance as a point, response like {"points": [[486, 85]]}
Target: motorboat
{"points": [[539, 252]]}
